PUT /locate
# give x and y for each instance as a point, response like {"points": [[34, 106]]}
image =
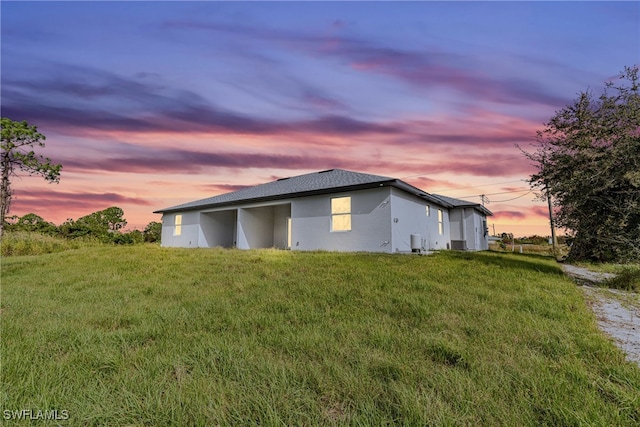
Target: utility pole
{"points": [[553, 229]]}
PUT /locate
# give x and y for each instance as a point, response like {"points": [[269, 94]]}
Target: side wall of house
{"points": [[412, 218], [469, 226], [481, 232], [382, 220], [255, 227], [189, 230], [218, 229], [460, 222], [408, 216], [280, 215], [370, 222]]}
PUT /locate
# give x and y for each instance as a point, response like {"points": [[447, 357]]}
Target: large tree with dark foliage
{"points": [[16, 153], [588, 161]]}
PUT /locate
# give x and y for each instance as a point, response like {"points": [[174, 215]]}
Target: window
{"points": [[289, 232], [440, 222], [428, 210], [341, 214], [177, 225]]}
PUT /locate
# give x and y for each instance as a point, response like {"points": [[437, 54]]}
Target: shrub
{"points": [[16, 243], [153, 232], [628, 279]]}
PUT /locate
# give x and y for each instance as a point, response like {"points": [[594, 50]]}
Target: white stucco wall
{"points": [[408, 216], [370, 222], [412, 218], [481, 234], [188, 238], [467, 224], [218, 229], [255, 228], [456, 223], [382, 220], [280, 215]]}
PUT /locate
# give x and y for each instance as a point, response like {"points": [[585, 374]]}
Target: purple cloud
{"points": [[425, 69], [149, 108]]}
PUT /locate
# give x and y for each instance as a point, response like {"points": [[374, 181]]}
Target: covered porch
{"points": [[247, 228]]}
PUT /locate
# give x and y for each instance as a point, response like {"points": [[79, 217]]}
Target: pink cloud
{"points": [[540, 211], [505, 215], [57, 206]]}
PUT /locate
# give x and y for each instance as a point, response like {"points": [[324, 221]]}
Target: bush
{"points": [[32, 222], [130, 238], [153, 232], [628, 279], [16, 243]]}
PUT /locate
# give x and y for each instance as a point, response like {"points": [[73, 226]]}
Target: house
{"points": [[334, 210]]}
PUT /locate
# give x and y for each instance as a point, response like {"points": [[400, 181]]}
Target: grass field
{"points": [[149, 336]]}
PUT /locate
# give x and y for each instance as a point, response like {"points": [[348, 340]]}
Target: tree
{"points": [[101, 224], [34, 223], [17, 142], [153, 232], [107, 220], [588, 162]]}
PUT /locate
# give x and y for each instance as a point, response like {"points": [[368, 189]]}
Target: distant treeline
{"points": [[106, 226]]}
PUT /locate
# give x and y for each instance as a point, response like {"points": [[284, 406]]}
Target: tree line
{"points": [[106, 226]]}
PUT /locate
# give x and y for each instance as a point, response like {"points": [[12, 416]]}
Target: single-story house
{"points": [[334, 210]]}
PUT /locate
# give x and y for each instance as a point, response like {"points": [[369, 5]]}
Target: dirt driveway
{"points": [[617, 312]]}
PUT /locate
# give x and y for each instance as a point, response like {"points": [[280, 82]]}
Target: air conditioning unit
{"points": [[459, 245]]}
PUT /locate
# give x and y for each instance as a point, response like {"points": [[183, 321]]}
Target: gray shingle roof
{"points": [[316, 182], [458, 203], [322, 182]]}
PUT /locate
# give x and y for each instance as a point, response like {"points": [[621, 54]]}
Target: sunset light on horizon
{"points": [[153, 104]]}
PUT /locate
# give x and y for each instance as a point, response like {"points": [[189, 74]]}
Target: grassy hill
{"points": [[145, 335]]}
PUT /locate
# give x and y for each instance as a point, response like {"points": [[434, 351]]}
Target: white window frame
{"points": [[427, 209], [440, 222], [177, 225], [336, 213]]}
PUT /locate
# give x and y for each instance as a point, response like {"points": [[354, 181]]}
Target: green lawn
{"points": [[149, 336]]}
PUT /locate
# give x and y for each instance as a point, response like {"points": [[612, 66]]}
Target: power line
{"points": [[493, 194], [508, 200]]}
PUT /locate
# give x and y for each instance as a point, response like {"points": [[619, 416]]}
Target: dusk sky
{"points": [[152, 104]]}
